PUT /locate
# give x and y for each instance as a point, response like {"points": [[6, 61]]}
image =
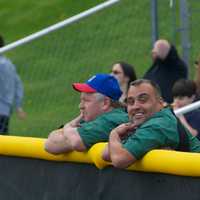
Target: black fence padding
{"points": [[32, 179]]}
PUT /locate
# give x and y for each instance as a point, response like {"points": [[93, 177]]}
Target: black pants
{"points": [[4, 122]]}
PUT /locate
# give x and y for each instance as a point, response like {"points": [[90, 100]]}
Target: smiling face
{"points": [[142, 102]]}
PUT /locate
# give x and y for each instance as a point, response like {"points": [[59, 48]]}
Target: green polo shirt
{"points": [[157, 132], [99, 129]]}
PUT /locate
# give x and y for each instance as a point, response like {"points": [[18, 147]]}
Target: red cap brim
{"points": [[83, 87]]}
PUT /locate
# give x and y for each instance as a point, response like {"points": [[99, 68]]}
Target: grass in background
{"points": [[48, 66], [21, 18]]}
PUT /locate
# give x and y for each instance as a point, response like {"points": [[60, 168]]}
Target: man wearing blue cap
{"points": [[100, 112]]}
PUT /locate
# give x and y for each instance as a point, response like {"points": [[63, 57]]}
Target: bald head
{"points": [[161, 49]]}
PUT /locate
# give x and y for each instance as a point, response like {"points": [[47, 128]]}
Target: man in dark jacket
{"points": [[167, 68]]}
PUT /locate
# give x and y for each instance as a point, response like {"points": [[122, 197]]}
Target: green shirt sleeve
{"points": [[152, 136], [94, 131], [142, 141], [158, 132], [99, 129]]}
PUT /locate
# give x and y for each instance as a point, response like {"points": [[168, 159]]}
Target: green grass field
{"points": [[49, 65]]}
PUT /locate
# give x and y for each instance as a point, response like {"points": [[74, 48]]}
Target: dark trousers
{"points": [[4, 122]]}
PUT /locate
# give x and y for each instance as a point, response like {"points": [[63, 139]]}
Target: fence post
{"points": [[174, 26], [154, 20], [184, 21]]}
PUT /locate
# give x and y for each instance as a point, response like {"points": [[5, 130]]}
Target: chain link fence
{"points": [[49, 65]]}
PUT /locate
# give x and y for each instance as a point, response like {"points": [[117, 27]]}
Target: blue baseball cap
{"points": [[105, 84]]}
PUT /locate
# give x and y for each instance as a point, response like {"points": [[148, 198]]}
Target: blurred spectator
{"points": [[184, 93], [125, 74], [11, 92], [167, 68]]}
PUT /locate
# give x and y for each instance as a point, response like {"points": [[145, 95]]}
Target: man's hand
{"points": [[20, 113], [124, 129], [75, 123], [57, 143], [115, 152], [106, 154]]}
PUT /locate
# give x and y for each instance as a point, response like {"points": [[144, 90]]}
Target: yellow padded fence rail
{"points": [[163, 161], [34, 148]]}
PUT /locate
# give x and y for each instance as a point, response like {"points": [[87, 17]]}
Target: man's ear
{"points": [[106, 103], [162, 102]]}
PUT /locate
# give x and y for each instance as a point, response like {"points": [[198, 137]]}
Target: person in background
{"points": [[11, 92], [100, 112], [167, 68], [125, 74], [184, 93], [152, 126]]}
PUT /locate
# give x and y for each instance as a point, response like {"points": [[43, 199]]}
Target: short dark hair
{"points": [[184, 87], [150, 82], [1, 41]]}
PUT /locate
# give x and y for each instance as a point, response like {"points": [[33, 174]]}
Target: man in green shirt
{"points": [[100, 112], [152, 127]]}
